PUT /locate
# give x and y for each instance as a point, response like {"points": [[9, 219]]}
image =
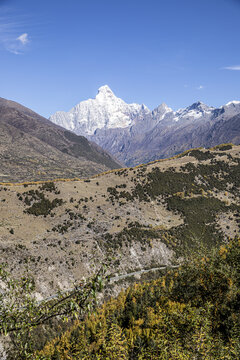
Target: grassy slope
{"points": [[142, 214]]}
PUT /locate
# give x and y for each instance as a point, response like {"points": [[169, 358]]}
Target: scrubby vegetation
{"points": [[189, 313], [191, 191], [223, 147], [43, 206], [38, 204], [129, 235], [200, 155], [49, 186]]}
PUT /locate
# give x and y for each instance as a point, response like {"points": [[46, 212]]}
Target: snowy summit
{"points": [[105, 111]]}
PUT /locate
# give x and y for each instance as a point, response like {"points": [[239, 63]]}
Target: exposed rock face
{"points": [[33, 148], [134, 134]]}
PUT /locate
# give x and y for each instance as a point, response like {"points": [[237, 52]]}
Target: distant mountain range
{"points": [[134, 134], [33, 148]]}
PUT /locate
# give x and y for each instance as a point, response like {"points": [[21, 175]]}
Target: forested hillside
{"points": [[189, 313]]}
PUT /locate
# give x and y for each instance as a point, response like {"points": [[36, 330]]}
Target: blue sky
{"points": [[56, 53]]}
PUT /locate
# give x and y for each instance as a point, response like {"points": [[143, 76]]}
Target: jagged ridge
{"points": [[134, 134]]}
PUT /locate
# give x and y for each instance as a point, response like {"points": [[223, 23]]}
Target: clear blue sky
{"points": [[56, 53]]}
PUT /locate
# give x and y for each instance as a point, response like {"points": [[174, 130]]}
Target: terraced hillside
{"points": [[143, 215]]}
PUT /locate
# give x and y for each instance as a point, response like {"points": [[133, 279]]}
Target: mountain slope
{"points": [[164, 141], [142, 216], [32, 148], [133, 134]]}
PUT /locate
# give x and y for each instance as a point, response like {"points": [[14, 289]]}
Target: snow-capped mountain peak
{"points": [[104, 89], [105, 94], [195, 111], [164, 108], [160, 112], [233, 103], [231, 108], [199, 105], [105, 111], [109, 114]]}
